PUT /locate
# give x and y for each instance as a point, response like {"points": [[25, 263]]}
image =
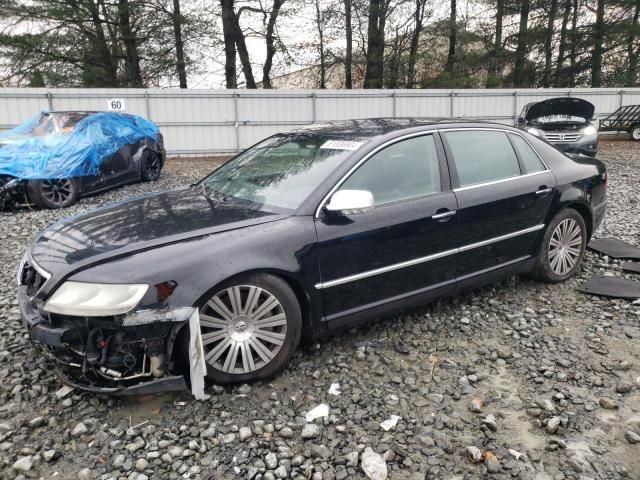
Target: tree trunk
{"points": [[548, 44], [110, 74], [134, 75], [177, 32], [349, 50], [270, 41], [453, 30], [229, 32], [495, 62], [375, 44], [574, 38], [598, 46], [243, 53], [563, 43], [632, 53], [321, 46], [415, 41], [521, 49]]}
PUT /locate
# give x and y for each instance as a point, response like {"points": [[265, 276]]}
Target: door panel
{"points": [[387, 246], [508, 216]]}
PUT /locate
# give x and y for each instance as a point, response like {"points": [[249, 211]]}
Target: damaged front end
{"points": [[13, 191], [129, 354]]}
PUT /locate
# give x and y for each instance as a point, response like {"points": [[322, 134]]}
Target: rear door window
{"points": [[531, 163], [482, 156]]}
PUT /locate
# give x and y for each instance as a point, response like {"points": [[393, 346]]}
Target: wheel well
{"points": [[586, 215]]}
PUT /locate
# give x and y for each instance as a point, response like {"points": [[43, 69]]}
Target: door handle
{"points": [[544, 191], [443, 215]]}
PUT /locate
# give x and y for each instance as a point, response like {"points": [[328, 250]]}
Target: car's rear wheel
{"points": [[562, 248], [52, 194], [250, 328], [151, 165], [635, 132]]}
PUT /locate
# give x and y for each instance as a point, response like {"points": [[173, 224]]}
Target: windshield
{"points": [[281, 171], [51, 123]]}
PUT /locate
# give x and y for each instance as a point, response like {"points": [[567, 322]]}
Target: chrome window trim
{"points": [[428, 258], [494, 182], [344, 178]]}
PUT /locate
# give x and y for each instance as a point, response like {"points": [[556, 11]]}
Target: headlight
{"points": [[590, 130], [534, 131], [95, 299]]}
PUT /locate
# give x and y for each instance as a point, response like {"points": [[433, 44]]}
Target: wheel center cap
{"points": [[241, 328]]}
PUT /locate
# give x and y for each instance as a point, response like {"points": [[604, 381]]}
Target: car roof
{"points": [[367, 128]]}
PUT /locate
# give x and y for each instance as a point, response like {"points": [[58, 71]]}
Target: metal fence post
{"points": [[147, 105], [451, 104], [394, 108], [236, 120], [515, 107], [621, 97], [50, 101], [313, 107]]}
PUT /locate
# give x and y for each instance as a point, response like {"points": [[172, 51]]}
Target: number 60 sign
{"points": [[116, 104]]}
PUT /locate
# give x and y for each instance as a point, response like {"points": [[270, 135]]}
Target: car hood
{"points": [[142, 223], [563, 106]]}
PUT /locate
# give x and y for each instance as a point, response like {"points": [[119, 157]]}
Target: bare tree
{"points": [[348, 33], [598, 45], [418, 21], [521, 49], [270, 40], [548, 43], [632, 52], [453, 30], [177, 31], [229, 32], [375, 43]]}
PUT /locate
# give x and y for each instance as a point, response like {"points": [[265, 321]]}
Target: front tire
{"points": [[562, 248], [53, 194], [250, 328], [635, 132]]}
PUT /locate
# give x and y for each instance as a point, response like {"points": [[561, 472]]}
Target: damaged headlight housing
{"points": [[95, 299]]}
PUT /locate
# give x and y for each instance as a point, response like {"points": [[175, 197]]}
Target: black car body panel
{"points": [[566, 122], [343, 269]]}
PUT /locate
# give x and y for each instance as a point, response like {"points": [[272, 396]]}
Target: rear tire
{"points": [[150, 166], [562, 248], [635, 132], [251, 326], [53, 194]]}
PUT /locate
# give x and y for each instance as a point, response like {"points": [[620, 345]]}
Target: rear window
{"points": [[482, 156]]}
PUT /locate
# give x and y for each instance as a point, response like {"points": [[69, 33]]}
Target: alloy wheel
{"points": [[565, 247], [152, 166], [57, 191], [243, 329]]}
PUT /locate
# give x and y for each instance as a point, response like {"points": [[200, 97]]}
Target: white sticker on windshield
{"points": [[341, 145]]}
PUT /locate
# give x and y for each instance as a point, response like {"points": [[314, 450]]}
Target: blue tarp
{"points": [[52, 145]]}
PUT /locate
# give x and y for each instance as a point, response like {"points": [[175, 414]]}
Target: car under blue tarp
{"points": [[54, 145]]}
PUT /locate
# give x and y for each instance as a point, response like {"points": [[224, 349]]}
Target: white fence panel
{"points": [[199, 122]]}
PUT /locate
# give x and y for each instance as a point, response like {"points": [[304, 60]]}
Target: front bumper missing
{"points": [[149, 334]]}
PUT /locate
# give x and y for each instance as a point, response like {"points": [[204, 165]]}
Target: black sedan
{"points": [[305, 232]]}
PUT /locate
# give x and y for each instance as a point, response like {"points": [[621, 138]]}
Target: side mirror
{"points": [[348, 202]]}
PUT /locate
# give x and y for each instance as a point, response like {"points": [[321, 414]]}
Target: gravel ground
{"points": [[519, 379]]}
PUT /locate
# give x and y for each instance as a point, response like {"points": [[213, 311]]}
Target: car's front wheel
{"points": [[250, 328], [562, 248], [52, 194]]}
